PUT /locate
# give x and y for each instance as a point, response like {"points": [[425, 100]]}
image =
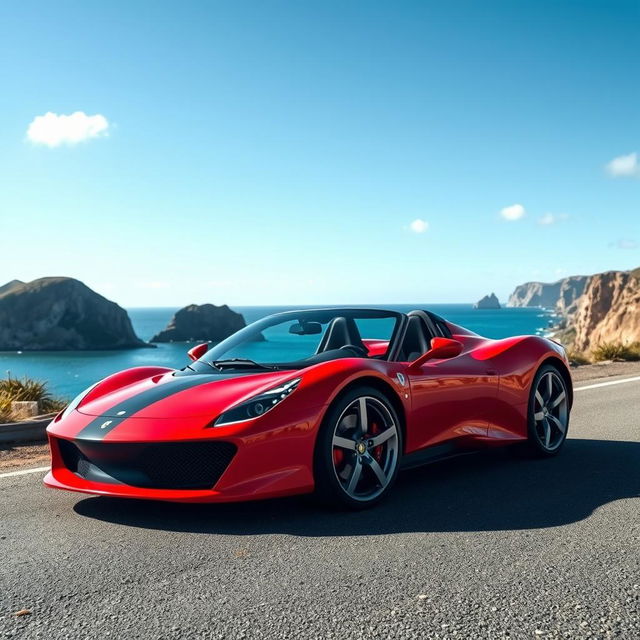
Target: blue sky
{"points": [[278, 152]]}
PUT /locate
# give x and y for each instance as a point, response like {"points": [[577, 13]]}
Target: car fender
{"points": [[325, 382], [517, 360]]}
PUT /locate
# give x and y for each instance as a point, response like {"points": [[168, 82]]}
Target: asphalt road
{"points": [[486, 546]]}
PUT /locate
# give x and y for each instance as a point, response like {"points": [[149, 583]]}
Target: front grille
{"points": [[161, 465]]}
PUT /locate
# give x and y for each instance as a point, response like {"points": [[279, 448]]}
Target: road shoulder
{"points": [[602, 370]]}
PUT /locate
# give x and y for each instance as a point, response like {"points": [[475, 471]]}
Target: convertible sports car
{"points": [[335, 401]]}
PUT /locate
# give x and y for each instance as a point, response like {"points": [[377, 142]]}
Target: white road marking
{"points": [[23, 472], [607, 384]]}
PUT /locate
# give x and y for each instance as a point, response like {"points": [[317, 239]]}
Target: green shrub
{"points": [[26, 389], [616, 351]]}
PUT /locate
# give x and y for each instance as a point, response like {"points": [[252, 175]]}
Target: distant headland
{"points": [[59, 314], [599, 314]]}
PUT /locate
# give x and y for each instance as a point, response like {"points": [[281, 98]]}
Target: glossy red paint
{"points": [[475, 398], [441, 349], [195, 353], [376, 347]]}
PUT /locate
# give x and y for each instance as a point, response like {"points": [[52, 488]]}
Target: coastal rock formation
{"points": [[603, 308], [609, 311], [488, 302], [12, 284], [58, 314], [559, 296], [203, 323]]}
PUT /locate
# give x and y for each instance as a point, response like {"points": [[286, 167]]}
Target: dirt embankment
{"points": [[604, 370]]}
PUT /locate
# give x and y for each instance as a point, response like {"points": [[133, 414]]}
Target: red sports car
{"points": [[335, 401]]}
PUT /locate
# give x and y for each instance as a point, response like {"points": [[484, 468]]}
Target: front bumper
{"points": [[236, 463]]}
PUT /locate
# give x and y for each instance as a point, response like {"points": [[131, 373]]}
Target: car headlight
{"points": [[258, 405], [74, 403]]}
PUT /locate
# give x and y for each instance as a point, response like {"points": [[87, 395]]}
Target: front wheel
{"points": [[548, 412], [358, 450]]}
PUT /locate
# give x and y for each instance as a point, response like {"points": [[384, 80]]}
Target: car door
{"points": [[450, 398]]}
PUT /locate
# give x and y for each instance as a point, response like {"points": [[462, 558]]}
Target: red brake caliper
{"points": [[376, 452]]}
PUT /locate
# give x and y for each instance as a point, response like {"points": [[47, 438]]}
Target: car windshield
{"points": [[298, 339]]}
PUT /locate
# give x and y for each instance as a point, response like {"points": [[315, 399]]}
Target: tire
{"points": [[548, 413], [356, 463]]}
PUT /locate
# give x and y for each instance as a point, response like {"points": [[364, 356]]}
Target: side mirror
{"points": [[195, 353], [441, 348]]}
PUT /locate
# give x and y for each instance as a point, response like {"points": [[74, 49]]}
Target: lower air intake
{"points": [[162, 465]]}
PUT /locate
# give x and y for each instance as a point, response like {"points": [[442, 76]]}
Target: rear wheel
{"points": [[358, 450], [548, 412]]}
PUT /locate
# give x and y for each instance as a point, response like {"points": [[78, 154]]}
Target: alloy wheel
{"points": [[365, 448], [550, 410]]}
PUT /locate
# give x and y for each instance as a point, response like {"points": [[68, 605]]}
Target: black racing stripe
{"points": [[97, 429]]}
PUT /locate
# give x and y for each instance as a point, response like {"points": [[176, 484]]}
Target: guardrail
{"points": [[33, 430]]}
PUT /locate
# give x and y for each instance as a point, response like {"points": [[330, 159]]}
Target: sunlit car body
{"points": [[342, 416]]}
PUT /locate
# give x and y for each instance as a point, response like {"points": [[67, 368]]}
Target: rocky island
{"points": [[60, 314], [202, 323], [488, 302]]}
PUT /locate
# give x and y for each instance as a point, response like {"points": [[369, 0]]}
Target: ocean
{"points": [[68, 373]]}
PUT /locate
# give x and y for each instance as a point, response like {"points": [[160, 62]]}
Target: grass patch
{"points": [[616, 351], [26, 389]]}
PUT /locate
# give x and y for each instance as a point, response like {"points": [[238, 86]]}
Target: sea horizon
{"points": [[69, 372]]}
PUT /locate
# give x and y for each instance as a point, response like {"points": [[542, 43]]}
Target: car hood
{"points": [[176, 394]]}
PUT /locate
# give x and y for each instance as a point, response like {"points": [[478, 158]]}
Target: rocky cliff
{"points": [[53, 314], [603, 308], [203, 323], [560, 295], [609, 311], [488, 302]]}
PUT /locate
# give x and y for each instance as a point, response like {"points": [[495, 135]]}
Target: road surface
{"points": [[486, 546]]}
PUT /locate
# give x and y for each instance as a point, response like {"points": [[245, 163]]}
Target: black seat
{"points": [[340, 333], [415, 342]]}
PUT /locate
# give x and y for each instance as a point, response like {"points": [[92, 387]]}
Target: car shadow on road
{"points": [[486, 492]]}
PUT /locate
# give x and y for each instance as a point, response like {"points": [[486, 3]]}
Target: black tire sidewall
{"points": [[328, 488], [535, 446]]}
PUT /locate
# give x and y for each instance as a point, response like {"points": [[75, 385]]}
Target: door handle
{"points": [[492, 372]]}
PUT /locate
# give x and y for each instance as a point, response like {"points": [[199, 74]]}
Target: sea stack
{"points": [[61, 314], [201, 323], [488, 302]]}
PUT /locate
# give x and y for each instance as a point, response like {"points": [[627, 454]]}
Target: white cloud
{"points": [[513, 212], [624, 166], [419, 226], [547, 218], [54, 130]]}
